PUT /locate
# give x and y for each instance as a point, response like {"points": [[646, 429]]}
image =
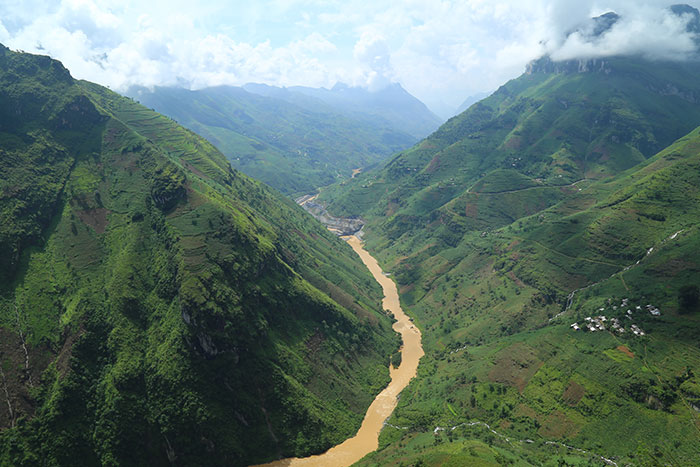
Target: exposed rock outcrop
{"points": [[339, 225]]}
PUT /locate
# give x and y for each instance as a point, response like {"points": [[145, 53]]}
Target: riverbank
{"points": [[367, 438], [340, 226]]}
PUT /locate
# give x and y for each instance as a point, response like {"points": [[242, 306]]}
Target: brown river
{"points": [[367, 438]]}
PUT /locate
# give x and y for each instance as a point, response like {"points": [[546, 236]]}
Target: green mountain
{"points": [[554, 125], [497, 311], [567, 191], [295, 146], [158, 306], [391, 106]]}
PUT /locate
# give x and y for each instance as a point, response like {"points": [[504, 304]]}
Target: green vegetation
{"points": [[546, 130], [688, 298], [390, 106], [295, 147], [158, 306], [553, 185]]}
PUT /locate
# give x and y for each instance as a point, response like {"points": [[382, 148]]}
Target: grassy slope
{"points": [[486, 247], [553, 128], [170, 307], [292, 148], [495, 357]]}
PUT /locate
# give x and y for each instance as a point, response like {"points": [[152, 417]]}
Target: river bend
{"points": [[367, 438]]}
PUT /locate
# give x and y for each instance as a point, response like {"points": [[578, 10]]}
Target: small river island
{"points": [[367, 438]]}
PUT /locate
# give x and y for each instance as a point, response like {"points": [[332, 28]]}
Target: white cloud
{"points": [[461, 48], [442, 51], [148, 50], [372, 51], [653, 33], [4, 35]]}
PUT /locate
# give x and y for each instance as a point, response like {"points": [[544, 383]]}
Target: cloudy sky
{"points": [[441, 51]]}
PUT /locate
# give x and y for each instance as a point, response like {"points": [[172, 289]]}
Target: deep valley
{"points": [[196, 269]]}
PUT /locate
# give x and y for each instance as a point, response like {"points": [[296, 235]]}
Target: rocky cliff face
{"points": [[338, 225], [547, 65], [607, 66]]}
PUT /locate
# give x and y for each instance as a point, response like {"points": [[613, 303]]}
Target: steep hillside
{"points": [[498, 312], [556, 124], [469, 101], [293, 146], [391, 107], [553, 200], [157, 306]]}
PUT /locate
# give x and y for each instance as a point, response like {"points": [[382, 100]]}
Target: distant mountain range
{"points": [[469, 101], [390, 107], [297, 139]]}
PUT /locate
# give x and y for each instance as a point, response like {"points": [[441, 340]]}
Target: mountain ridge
{"points": [[567, 194], [158, 305], [294, 148], [391, 106]]}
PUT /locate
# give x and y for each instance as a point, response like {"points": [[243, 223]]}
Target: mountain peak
{"points": [[599, 25], [594, 28], [391, 105], [339, 87], [605, 22], [671, 35], [547, 65], [683, 9]]}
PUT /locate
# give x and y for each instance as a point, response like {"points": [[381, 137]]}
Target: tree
{"points": [[688, 298]]}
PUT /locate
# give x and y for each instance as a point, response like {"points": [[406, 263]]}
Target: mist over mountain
{"points": [[647, 31], [390, 105]]}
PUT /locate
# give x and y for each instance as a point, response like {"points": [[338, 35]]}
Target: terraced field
{"points": [[497, 255], [155, 303]]}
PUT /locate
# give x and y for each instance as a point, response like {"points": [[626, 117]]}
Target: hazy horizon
{"points": [[441, 52]]}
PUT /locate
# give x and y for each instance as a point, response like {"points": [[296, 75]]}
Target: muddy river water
{"points": [[367, 438]]}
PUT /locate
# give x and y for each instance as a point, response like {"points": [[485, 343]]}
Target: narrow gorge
{"points": [[367, 438]]}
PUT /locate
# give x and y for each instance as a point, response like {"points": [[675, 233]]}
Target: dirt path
{"points": [[469, 190], [367, 438]]}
